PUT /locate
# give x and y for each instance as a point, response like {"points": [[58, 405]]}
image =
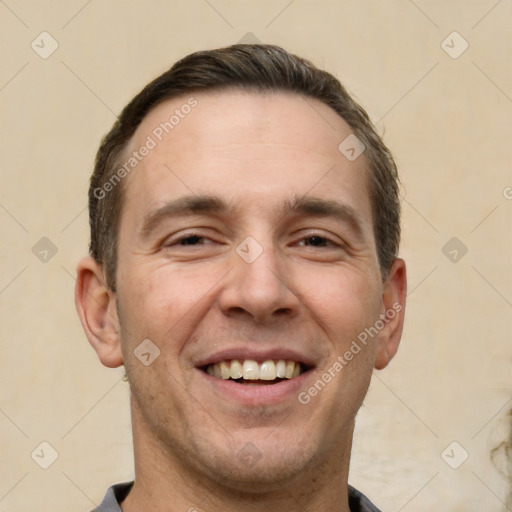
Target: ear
{"points": [[96, 306], [392, 314]]}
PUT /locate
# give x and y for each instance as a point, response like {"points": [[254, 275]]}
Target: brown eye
{"points": [[191, 240], [315, 241], [188, 240]]}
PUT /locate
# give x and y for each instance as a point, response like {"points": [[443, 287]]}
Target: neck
{"points": [[164, 482]]}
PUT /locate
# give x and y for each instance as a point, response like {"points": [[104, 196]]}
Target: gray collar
{"points": [[358, 502]]}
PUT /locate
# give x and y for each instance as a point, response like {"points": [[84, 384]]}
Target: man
{"points": [[244, 234]]}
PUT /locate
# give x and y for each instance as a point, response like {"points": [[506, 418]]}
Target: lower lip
{"points": [[257, 395]]}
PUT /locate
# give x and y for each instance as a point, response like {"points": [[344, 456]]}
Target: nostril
{"points": [[237, 310]]}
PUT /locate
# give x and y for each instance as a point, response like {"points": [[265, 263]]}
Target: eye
{"points": [[188, 240], [193, 240], [316, 241]]}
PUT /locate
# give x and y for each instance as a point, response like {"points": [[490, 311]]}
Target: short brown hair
{"points": [[254, 67]]}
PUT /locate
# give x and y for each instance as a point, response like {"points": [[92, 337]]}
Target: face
{"points": [[246, 237]]}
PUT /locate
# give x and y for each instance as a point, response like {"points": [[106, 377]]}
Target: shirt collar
{"points": [[358, 502]]}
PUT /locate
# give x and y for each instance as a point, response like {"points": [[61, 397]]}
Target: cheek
{"points": [[164, 303], [343, 300]]}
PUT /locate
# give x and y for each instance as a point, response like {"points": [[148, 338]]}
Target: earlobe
{"points": [[96, 307], [392, 313]]}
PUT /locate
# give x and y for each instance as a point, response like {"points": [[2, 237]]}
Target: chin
{"points": [[257, 466]]}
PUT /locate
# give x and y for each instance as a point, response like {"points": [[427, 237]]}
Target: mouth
{"points": [[251, 372]]}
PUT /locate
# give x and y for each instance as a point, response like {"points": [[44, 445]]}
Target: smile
{"points": [[250, 371]]}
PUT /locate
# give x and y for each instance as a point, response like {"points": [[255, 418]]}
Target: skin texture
{"points": [[256, 153]]}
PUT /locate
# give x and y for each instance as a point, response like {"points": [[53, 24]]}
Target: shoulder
{"points": [[358, 502], [113, 497]]}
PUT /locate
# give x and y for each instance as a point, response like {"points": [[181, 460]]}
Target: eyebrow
{"points": [[186, 204], [213, 205], [320, 207]]}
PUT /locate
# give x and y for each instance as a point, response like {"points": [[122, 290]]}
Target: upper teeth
{"points": [[252, 370]]}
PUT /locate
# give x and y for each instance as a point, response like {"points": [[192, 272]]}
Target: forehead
{"points": [[234, 140], [210, 117]]}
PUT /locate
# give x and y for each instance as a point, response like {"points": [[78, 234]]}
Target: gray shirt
{"points": [[358, 502]]}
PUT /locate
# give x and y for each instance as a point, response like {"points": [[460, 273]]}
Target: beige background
{"points": [[447, 120]]}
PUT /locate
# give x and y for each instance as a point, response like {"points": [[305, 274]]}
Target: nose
{"points": [[259, 290]]}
